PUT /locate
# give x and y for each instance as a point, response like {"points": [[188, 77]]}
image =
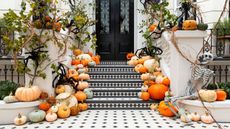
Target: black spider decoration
{"points": [[153, 51]]}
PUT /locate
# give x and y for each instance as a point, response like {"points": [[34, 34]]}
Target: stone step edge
{"points": [[115, 81], [111, 66], [113, 73]]}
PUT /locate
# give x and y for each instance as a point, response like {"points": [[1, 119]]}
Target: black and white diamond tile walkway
{"points": [[117, 119], [115, 86]]}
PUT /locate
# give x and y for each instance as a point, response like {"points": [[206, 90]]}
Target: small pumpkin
{"points": [[82, 70], [154, 106], [208, 95], [84, 76], [83, 106], [82, 85], [96, 59], [221, 95], [159, 79], [151, 65], [89, 93], [85, 62], [84, 57], [145, 96], [20, 119], [44, 106], [10, 99], [189, 25], [137, 68], [28, 93], [63, 111], [164, 109], [81, 96], [51, 116], [129, 55], [80, 66], [77, 52], [141, 61], [186, 118], [157, 91], [44, 95], [145, 77], [37, 116], [166, 81], [74, 110], [149, 82], [195, 116], [75, 62], [51, 100], [60, 89], [54, 108], [143, 70], [92, 63], [206, 118]]}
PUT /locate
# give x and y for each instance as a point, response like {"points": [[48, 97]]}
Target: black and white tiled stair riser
{"points": [[115, 77]]}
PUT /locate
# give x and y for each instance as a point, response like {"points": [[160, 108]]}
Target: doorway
{"points": [[115, 28]]}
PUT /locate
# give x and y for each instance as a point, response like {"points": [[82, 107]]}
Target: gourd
{"points": [[63, 111], [208, 95], [82, 85], [145, 96], [84, 76], [164, 109], [10, 99], [28, 93], [44, 106], [37, 116], [206, 118], [74, 110], [51, 116], [81, 96], [129, 55], [202, 26], [189, 25], [157, 91], [195, 116], [89, 93], [84, 57], [92, 63], [20, 119], [221, 95], [83, 106], [54, 108], [151, 65]]}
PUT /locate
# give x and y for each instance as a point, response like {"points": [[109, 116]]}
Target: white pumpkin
{"points": [[206, 118], [151, 65], [66, 99], [84, 57], [186, 118], [20, 119], [208, 95], [54, 108], [51, 116], [10, 99], [195, 116]]}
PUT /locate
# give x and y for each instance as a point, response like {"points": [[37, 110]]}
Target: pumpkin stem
{"points": [[19, 115]]}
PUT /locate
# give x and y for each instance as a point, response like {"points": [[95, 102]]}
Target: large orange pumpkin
{"points": [[81, 96], [164, 109], [129, 55], [157, 91], [145, 96]]}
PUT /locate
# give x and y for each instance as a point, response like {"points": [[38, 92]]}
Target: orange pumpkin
{"points": [[83, 106], [145, 96], [74, 110], [143, 70], [81, 96], [166, 81], [63, 111], [96, 59], [129, 55], [189, 25], [149, 82], [165, 109], [44, 106], [84, 76], [77, 52], [82, 85], [75, 62], [60, 89], [51, 100], [221, 95], [85, 62], [152, 27], [157, 91]]}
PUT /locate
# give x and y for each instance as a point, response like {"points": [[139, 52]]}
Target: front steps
{"points": [[115, 86]]}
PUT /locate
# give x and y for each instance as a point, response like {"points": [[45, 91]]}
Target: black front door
{"points": [[114, 28]]}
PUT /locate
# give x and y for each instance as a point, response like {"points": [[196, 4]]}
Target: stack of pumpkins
{"points": [[69, 100], [155, 83]]}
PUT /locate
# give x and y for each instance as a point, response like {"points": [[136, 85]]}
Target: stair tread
{"points": [[113, 73], [115, 80], [110, 89], [113, 99], [112, 66]]}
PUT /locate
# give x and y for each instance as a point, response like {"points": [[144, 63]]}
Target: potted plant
{"points": [[222, 33]]}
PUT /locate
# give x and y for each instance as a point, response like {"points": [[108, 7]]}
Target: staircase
{"points": [[115, 86]]}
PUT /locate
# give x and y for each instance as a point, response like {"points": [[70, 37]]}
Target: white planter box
{"points": [[9, 111], [219, 109]]}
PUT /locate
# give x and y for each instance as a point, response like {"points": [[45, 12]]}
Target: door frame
{"points": [[133, 25]]}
